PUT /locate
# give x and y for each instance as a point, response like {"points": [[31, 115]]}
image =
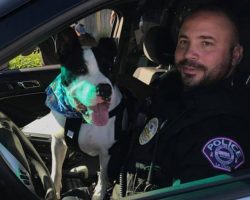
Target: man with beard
{"points": [[199, 124]]}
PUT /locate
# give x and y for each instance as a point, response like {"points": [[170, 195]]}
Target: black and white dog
{"points": [[84, 93]]}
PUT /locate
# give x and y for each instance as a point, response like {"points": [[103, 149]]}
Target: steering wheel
{"points": [[23, 175]]}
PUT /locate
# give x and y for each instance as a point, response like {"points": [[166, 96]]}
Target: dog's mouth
{"points": [[97, 114], [92, 101], [100, 114]]}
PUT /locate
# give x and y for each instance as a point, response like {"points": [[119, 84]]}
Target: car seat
{"points": [[158, 47]]}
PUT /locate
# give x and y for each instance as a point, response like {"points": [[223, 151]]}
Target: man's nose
{"points": [[104, 90], [191, 53]]}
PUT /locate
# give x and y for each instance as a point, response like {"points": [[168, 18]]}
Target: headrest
{"points": [[159, 46]]}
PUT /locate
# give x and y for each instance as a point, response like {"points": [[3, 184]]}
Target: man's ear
{"points": [[237, 54]]}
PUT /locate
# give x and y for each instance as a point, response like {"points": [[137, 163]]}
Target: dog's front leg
{"points": [[103, 182], [58, 151]]}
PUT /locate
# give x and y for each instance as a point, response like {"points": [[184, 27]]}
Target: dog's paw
{"points": [[58, 191], [97, 196], [99, 192], [58, 195]]}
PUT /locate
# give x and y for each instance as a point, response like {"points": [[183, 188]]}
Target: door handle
{"points": [[28, 84]]}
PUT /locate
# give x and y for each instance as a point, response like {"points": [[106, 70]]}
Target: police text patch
{"points": [[224, 153]]}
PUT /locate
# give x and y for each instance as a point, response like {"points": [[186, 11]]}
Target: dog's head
{"points": [[87, 90]]}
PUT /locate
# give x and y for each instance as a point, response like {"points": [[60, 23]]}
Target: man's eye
{"points": [[182, 43], [206, 44]]}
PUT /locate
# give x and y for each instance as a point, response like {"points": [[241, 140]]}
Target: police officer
{"points": [[199, 124]]}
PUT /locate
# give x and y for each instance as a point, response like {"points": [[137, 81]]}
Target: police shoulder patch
{"points": [[149, 131], [223, 153]]}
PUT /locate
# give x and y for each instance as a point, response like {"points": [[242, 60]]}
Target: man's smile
{"points": [[189, 70]]}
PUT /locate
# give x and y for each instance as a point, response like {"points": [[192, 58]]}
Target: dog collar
{"points": [[57, 100]]}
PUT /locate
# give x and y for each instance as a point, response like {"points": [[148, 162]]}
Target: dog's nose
{"points": [[104, 90]]}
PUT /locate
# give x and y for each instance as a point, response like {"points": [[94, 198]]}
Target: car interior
{"points": [[144, 33]]}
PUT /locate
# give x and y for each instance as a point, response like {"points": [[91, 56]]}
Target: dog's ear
{"points": [[70, 52], [67, 76], [105, 59]]}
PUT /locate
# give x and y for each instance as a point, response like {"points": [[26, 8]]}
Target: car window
{"points": [[96, 25], [208, 188]]}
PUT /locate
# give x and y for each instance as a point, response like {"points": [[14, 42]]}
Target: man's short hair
{"points": [[218, 7]]}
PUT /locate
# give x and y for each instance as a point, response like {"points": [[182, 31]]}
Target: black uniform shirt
{"points": [[210, 137], [206, 133]]}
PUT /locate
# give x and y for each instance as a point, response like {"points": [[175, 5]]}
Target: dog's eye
{"points": [[82, 70]]}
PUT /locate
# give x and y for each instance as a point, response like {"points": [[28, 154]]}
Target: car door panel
{"points": [[22, 93]]}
